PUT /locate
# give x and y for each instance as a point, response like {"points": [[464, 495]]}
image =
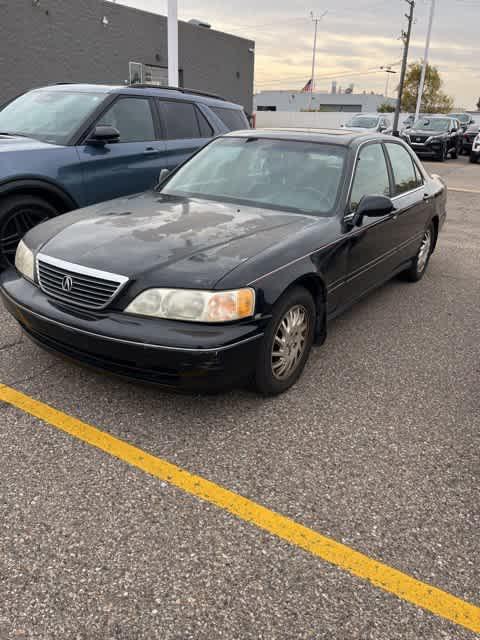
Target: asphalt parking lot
{"points": [[376, 447]]}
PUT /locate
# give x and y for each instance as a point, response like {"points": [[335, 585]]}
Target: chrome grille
{"points": [[78, 285]]}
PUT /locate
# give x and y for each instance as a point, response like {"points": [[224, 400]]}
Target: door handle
{"points": [[150, 150]]}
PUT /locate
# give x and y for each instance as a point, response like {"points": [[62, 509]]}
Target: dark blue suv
{"points": [[68, 146]]}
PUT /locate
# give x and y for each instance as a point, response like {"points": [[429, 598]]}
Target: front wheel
{"points": [[19, 214], [287, 342], [454, 153], [442, 154], [420, 262]]}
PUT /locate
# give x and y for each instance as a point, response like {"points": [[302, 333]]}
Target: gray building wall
{"points": [[66, 41]]}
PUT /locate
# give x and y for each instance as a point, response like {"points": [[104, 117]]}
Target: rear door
{"points": [[133, 163], [185, 129], [412, 206]]}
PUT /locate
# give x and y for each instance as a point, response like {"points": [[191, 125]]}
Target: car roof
{"points": [[178, 93], [343, 137]]}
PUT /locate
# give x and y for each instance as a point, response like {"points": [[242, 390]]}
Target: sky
{"points": [[355, 38]]}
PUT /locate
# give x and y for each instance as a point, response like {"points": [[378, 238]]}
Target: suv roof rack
{"points": [[142, 85]]}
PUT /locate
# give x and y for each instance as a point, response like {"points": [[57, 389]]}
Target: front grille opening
{"points": [[80, 287]]}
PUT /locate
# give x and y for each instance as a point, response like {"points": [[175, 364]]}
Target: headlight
{"points": [[24, 261], [193, 305]]}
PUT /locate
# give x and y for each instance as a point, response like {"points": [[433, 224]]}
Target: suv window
{"points": [[404, 175], [371, 176], [233, 119], [132, 117], [183, 120]]}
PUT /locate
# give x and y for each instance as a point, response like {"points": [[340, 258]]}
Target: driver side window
{"points": [[371, 175]]}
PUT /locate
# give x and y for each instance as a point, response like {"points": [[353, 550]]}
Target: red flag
{"points": [[308, 87]]}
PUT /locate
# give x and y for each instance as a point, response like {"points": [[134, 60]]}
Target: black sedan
{"points": [[232, 268], [469, 136]]}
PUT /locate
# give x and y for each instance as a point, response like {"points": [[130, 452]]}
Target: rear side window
{"points": [[183, 120], [133, 118], [233, 119], [371, 176], [405, 177]]}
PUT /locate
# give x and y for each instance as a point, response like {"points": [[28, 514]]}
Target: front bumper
{"points": [[174, 354], [431, 149]]}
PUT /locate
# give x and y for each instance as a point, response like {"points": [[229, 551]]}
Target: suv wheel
{"points": [[442, 154], [19, 214], [454, 154], [287, 342]]}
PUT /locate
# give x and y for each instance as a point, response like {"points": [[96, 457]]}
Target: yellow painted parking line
{"points": [[381, 575], [464, 190]]}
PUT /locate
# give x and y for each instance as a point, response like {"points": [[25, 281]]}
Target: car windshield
{"points": [[363, 121], [50, 116], [463, 117], [432, 124], [279, 174]]}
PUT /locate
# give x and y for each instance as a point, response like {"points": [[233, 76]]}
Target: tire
{"points": [[454, 154], [442, 156], [473, 159], [270, 378], [19, 214], [421, 260]]}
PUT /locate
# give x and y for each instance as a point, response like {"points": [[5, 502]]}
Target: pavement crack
{"points": [[10, 345]]}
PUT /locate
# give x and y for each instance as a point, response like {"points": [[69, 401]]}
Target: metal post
{"points": [[173, 43], [425, 61], [404, 67], [316, 20]]}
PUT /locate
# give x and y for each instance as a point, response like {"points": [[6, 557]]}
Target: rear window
{"points": [[233, 119], [183, 120]]}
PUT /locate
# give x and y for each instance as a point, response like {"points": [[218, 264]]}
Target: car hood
{"points": [[165, 240], [19, 143], [423, 132]]}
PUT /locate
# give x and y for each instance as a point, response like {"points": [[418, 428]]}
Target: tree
{"points": [[434, 100], [386, 107]]}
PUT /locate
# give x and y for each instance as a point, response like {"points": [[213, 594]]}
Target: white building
{"points": [[300, 101]]}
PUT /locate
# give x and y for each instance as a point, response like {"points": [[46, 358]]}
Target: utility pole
{"points": [[316, 20], [172, 47], [406, 41], [425, 61]]}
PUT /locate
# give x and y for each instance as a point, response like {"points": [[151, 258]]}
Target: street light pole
{"points": [[425, 61], [172, 29], [312, 81]]}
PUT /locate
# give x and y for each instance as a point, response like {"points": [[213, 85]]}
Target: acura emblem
{"points": [[67, 283]]}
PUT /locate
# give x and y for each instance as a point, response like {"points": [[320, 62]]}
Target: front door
{"points": [[134, 162], [371, 244]]}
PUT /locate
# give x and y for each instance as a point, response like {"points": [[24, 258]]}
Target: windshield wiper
{"points": [[14, 133]]}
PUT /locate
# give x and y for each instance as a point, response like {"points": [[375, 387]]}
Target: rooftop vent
{"points": [[200, 23]]}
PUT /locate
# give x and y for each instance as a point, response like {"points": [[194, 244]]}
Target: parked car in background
{"points": [[231, 269], [465, 119], [475, 152], [468, 138], [435, 137], [68, 146], [369, 122]]}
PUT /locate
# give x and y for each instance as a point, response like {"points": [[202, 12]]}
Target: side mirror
{"points": [[103, 134], [373, 207], [162, 176]]}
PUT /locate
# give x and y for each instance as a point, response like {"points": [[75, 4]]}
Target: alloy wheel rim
{"points": [[289, 342], [15, 227], [424, 251]]}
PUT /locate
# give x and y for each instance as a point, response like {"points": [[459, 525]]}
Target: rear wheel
{"points": [[19, 214], [454, 153], [287, 342], [420, 262]]}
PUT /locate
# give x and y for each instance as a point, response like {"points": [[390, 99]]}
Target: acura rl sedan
{"points": [[231, 269]]}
